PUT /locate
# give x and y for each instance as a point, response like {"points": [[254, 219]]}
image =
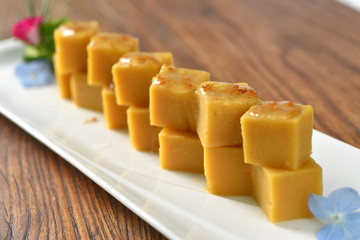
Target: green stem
{"points": [[30, 7], [46, 8], [67, 2]]}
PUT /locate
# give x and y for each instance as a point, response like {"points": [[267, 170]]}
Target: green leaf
{"points": [[47, 45], [32, 53]]}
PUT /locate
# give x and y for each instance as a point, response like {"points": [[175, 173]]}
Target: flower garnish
{"points": [[28, 30], [35, 73], [339, 212], [37, 32]]}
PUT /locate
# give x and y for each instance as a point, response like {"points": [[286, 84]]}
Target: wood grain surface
{"points": [[306, 51], [43, 197]]}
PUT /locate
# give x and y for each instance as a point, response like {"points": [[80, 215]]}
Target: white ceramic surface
{"points": [[174, 203], [354, 4]]}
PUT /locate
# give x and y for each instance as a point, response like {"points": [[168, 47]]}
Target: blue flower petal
{"points": [[332, 231], [319, 207], [344, 200], [21, 69], [26, 82], [35, 73], [351, 226]]}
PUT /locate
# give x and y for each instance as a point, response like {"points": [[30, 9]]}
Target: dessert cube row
{"points": [[243, 144]]}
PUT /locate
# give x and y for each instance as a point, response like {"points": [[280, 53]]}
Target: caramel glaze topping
{"points": [[139, 58], [275, 110], [179, 79], [222, 90], [113, 41], [160, 80], [72, 28]]}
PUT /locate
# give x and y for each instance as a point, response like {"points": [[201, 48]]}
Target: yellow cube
{"points": [[172, 97], [221, 105], [225, 171], [133, 73], [283, 194], [83, 95], [143, 136], [181, 151], [62, 80], [278, 134], [104, 51], [115, 115], [71, 40]]}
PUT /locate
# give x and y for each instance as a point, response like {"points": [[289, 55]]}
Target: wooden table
{"points": [[304, 51]]}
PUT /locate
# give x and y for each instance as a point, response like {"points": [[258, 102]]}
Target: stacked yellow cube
{"points": [[173, 107], [220, 107], [243, 145], [277, 141], [104, 51], [132, 78], [70, 63]]}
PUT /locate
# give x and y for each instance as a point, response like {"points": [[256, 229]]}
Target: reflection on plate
{"points": [[174, 203]]}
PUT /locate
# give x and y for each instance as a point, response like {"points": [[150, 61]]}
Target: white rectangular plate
{"points": [[354, 4], [174, 203]]}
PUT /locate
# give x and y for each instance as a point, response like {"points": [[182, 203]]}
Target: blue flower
{"points": [[339, 212], [35, 73]]}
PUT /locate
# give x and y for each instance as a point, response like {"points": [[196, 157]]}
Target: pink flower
{"points": [[28, 30]]}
